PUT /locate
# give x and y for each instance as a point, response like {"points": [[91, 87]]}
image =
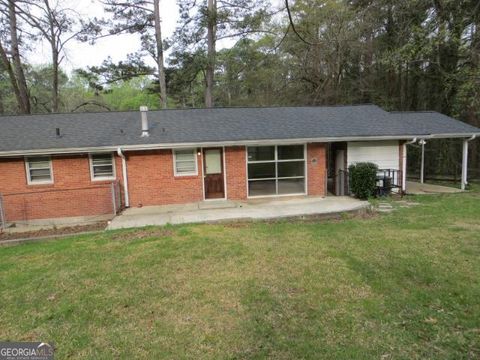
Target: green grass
{"points": [[400, 286]]}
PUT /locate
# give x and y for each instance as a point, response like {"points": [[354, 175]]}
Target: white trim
{"points": [[224, 175], [203, 173], [259, 142], [125, 177], [246, 169], [305, 155], [404, 167], [274, 196], [192, 173], [102, 178], [27, 171], [276, 178]]}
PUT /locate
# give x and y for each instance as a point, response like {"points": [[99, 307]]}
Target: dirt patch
{"points": [[467, 226], [142, 234], [314, 218], [70, 230]]}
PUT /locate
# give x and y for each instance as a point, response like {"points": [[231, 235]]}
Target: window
{"points": [[39, 170], [276, 170], [102, 167], [185, 162]]}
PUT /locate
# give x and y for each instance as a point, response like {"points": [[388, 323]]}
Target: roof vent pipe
{"points": [[145, 128]]}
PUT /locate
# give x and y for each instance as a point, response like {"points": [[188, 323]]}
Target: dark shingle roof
{"points": [[109, 129]]}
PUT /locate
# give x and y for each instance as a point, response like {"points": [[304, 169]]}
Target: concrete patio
{"points": [[216, 211], [416, 188]]}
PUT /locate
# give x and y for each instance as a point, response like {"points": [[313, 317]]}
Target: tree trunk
{"points": [[11, 75], [54, 79], [55, 56], [2, 109], [24, 104], [160, 61], [211, 29]]}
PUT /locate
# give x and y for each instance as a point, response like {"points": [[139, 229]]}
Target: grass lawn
{"points": [[400, 286]]}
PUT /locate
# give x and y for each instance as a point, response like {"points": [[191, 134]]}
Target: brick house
{"points": [[93, 164]]}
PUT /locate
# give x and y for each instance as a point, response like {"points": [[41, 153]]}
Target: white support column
{"points": [[422, 167], [404, 167], [465, 164], [404, 164]]}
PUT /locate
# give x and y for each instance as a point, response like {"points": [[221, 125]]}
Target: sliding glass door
{"points": [[276, 170]]}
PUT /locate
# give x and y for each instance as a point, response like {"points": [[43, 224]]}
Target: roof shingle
{"points": [[108, 129]]}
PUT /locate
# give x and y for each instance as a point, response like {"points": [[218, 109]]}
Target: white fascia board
{"points": [[144, 147]]}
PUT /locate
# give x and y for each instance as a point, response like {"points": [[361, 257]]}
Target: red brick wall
{"points": [[235, 158], [72, 193], [151, 180], [316, 168]]}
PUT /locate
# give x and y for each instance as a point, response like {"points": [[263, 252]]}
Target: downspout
{"points": [[125, 176], [404, 163]]}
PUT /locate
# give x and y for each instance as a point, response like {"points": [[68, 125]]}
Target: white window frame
{"points": [[27, 170], [276, 161], [102, 178], [192, 173]]}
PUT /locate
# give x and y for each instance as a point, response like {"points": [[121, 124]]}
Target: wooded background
{"points": [[401, 55]]}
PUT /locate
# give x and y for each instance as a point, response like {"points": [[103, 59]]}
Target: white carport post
{"points": [[465, 162], [422, 166], [404, 163]]}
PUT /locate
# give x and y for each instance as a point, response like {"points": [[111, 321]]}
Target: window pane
{"points": [[213, 162], [261, 188], [259, 153], [39, 169], [288, 152], [102, 165], [291, 186], [289, 169], [103, 171], [185, 167], [185, 161], [102, 161], [184, 155], [261, 170], [40, 175], [39, 165]]}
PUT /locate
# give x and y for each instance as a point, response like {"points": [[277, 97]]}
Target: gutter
{"points": [[142, 147], [125, 176]]}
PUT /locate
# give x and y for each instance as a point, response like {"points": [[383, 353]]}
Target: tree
{"points": [[203, 24], [10, 54], [41, 84], [53, 21], [142, 17]]}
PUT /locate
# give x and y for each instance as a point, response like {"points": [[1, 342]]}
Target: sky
{"points": [[80, 55]]}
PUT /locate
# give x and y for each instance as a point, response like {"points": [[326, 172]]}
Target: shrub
{"points": [[363, 179]]}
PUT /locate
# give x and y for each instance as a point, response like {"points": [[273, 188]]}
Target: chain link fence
{"points": [[99, 200], [3, 222], [443, 160]]}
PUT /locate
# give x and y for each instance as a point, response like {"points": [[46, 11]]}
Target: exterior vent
{"points": [[145, 127]]}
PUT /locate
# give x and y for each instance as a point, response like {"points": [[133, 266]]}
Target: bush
{"points": [[363, 179]]}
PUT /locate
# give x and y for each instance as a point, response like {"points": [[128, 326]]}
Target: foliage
{"points": [[401, 55], [363, 179]]}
